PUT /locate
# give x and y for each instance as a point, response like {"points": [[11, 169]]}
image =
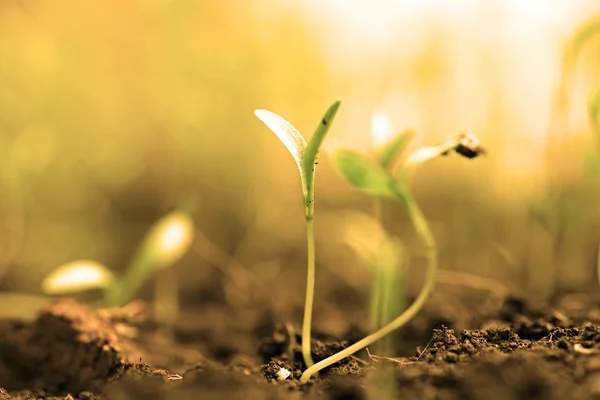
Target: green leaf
{"points": [[289, 136], [312, 149], [364, 174], [316, 140], [392, 149], [304, 155]]}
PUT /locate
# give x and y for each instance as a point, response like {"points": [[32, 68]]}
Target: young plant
{"points": [[386, 255], [165, 243], [387, 297], [370, 177], [305, 155]]}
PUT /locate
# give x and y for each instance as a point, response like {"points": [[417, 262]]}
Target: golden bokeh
{"points": [[113, 112]]}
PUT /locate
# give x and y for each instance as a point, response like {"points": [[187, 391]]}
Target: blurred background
{"points": [[112, 113]]}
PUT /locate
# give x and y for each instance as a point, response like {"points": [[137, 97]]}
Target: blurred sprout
{"points": [[78, 276], [169, 239], [464, 144], [392, 150], [369, 176], [305, 156], [360, 231], [364, 174], [165, 244], [388, 146], [374, 178], [387, 256]]}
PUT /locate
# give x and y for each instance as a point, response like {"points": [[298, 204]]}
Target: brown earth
{"points": [[514, 349]]}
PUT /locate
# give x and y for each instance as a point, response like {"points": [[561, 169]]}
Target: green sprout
{"points": [[165, 244], [305, 155], [390, 266], [386, 254], [372, 178], [387, 298]]}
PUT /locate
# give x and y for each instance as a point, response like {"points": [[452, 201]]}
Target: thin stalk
{"points": [[384, 281], [376, 299], [424, 233], [310, 292], [387, 286], [376, 295], [166, 300]]}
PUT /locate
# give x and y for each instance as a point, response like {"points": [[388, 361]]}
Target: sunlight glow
{"points": [[381, 128]]}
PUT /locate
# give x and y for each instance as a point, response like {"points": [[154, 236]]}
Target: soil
{"points": [[510, 348]]}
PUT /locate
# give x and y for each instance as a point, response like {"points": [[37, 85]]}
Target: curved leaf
{"points": [[310, 155], [289, 136], [304, 154], [364, 174], [78, 276], [390, 152]]}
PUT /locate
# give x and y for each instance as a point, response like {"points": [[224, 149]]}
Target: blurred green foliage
{"points": [[112, 112]]}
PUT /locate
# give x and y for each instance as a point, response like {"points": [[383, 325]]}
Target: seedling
{"points": [[305, 155], [165, 243], [387, 297], [372, 178], [387, 255]]}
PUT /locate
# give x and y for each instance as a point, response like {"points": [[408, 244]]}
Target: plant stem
{"points": [[166, 300], [384, 279], [376, 299], [310, 292], [424, 233], [388, 280], [376, 294]]}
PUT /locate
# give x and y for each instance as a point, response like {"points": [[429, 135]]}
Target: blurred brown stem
{"points": [[233, 270]]}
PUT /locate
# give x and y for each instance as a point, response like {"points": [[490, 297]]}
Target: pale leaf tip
{"points": [[259, 113], [77, 276]]}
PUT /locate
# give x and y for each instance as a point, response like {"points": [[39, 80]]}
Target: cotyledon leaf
{"points": [[392, 149], [316, 140], [289, 136], [364, 174]]}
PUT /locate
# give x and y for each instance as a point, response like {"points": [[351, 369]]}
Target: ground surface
{"points": [[504, 349]]}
